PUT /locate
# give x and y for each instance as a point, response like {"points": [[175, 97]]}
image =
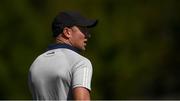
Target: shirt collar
{"points": [[57, 45]]}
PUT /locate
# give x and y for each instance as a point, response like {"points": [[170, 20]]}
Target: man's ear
{"points": [[67, 32]]}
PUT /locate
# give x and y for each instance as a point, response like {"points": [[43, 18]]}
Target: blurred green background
{"points": [[134, 49]]}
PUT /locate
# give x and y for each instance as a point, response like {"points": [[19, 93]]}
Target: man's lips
{"points": [[85, 41]]}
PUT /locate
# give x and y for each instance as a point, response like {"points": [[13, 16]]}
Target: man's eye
{"points": [[83, 30]]}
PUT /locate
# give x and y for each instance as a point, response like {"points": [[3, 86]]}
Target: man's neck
{"points": [[62, 41]]}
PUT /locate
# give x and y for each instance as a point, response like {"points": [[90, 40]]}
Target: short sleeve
{"points": [[82, 74]]}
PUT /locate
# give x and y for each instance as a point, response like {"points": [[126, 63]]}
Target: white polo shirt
{"points": [[54, 74]]}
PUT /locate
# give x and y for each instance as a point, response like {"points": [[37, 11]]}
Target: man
{"points": [[61, 73]]}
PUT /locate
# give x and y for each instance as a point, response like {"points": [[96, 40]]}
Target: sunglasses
{"points": [[85, 31]]}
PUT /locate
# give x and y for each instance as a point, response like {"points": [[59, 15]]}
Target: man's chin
{"points": [[83, 49]]}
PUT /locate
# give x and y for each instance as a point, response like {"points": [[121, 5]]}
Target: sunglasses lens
{"points": [[85, 31]]}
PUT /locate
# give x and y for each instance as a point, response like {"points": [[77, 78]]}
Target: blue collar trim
{"points": [[56, 46]]}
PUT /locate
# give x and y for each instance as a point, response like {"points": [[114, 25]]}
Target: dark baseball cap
{"points": [[69, 19]]}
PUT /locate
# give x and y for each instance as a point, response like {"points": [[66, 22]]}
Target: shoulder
{"points": [[82, 63], [86, 61]]}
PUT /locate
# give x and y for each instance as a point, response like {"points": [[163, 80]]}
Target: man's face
{"points": [[78, 37]]}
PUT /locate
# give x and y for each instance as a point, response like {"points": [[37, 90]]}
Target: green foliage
{"points": [[134, 49]]}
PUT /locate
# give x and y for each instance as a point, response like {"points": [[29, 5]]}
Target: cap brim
{"points": [[92, 23], [88, 23]]}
